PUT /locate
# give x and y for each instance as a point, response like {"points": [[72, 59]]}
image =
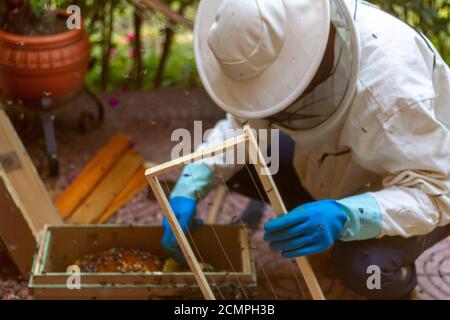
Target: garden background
{"points": [[140, 49]]}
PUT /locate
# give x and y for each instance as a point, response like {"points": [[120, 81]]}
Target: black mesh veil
{"points": [[320, 103]]}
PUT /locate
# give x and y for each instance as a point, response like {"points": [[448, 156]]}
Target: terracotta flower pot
{"points": [[37, 66]]}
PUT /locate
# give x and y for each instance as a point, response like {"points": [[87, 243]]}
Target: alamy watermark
{"points": [[74, 280], [374, 280], [73, 22], [268, 141]]}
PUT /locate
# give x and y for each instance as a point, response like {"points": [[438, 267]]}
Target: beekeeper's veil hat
{"points": [[257, 57]]}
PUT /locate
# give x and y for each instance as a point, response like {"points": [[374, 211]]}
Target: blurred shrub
{"points": [[179, 68], [429, 16], [432, 17]]}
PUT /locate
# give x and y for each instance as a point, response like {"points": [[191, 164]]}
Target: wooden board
{"points": [[137, 184], [217, 202], [107, 190], [181, 238], [196, 156], [25, 207], [16, 232], [92, 174]]}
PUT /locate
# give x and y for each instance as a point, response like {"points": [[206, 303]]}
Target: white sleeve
{"points": [[413, 147]]}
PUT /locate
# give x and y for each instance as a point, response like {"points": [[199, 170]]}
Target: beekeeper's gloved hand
{"points": [[195, 182], [185, 210], [306, 230], [313, 228]]}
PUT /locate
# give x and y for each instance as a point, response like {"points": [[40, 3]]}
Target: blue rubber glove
{"points": [[195, 182], [184, 209], [309, 229]]}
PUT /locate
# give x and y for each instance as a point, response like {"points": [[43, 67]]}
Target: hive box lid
{"points": [[25, 205]]}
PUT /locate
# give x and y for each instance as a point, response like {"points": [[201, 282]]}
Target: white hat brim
{"points": [[307, 32]]}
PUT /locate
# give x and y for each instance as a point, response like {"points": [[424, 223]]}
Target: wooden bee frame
{"points": [[248, 139]]}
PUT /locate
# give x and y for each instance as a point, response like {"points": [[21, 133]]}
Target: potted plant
{"points": [[39, 56]]}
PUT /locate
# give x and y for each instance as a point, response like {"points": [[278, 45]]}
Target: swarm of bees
{"points": [[120, 260]]}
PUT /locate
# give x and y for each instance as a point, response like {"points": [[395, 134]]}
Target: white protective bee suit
{"points": [[388, 150]]}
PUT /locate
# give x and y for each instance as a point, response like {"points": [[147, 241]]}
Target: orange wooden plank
{"points": [[107, 190], [91, 175], [133, 187]]}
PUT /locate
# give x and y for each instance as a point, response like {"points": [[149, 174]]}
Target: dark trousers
{"points": [[395, 256]]}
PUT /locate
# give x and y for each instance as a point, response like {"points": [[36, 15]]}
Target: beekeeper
{"points": [[363, 100]]}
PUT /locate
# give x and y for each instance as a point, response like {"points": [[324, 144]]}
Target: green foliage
{"points": [[432, 17], [38, 6], [180, 67], [429, 16]]}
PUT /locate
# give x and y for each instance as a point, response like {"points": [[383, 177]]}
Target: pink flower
{"points": [[113, 102], [112, 52], [131, 53], [131, 37]]}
